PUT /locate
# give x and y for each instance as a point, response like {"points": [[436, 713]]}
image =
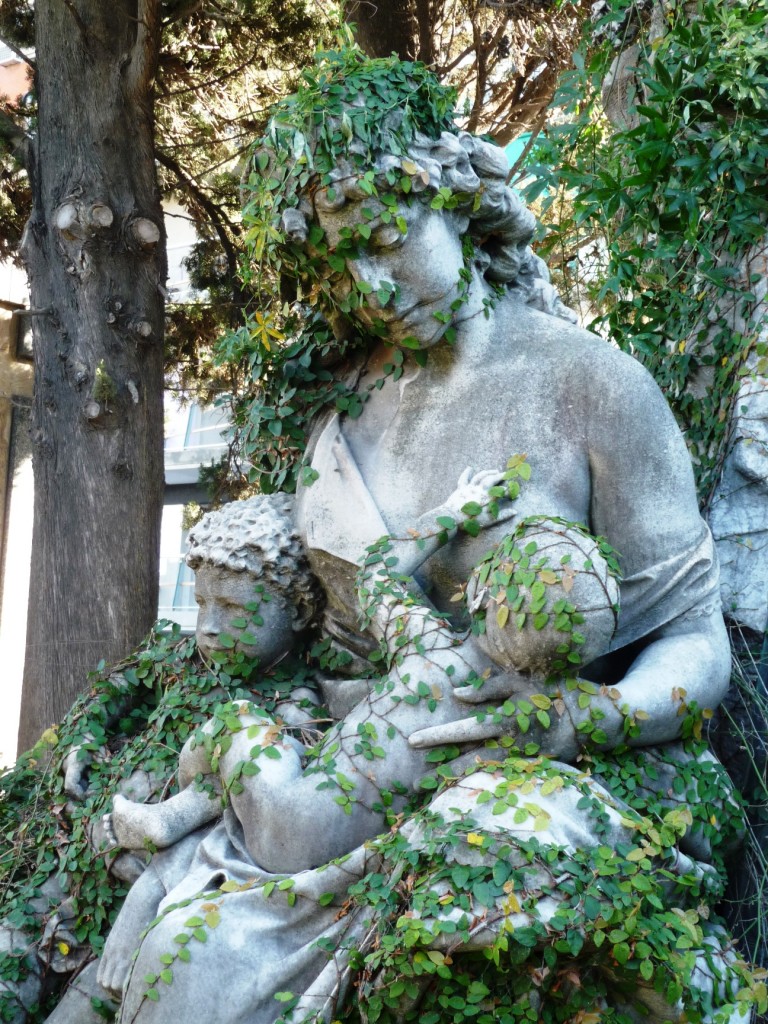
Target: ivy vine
{"points": [[649, 223]]}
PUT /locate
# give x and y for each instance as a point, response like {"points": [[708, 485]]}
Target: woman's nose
{"points": [[382, 291]]}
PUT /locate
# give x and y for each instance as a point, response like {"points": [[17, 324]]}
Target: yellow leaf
{"points": [[547, 576], [409, 166], [63, 948], [512, 904], [681, 346], [642, 715], [474, 839], [501, 616], [550, 785], [541, 701], [437, 693]]}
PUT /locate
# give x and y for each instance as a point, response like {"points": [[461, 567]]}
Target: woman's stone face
{"points": [[421, 267]]}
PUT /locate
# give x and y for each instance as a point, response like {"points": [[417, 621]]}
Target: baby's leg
{"points": [[165, 823], [139, 909]]}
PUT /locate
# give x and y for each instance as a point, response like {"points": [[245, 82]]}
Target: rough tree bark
{"points": [[384, 27], [95, 255]]}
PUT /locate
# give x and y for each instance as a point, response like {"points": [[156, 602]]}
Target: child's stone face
{"points": [[222, 596]]}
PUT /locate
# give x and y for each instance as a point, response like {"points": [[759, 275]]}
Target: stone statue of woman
{"points": [[403, 227]]}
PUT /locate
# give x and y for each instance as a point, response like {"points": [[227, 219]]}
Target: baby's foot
{"points": [[133, 824]]}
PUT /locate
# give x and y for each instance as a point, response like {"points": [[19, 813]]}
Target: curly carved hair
{"points": [[258, 536], [497, 221]]}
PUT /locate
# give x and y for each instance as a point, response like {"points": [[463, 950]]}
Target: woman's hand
{"points": [[533, 721]]}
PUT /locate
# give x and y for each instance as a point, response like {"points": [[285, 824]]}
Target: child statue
{"points": [[288, 805]]}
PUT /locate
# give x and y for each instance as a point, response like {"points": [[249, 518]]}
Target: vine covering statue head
{"points": [[381, 130]]}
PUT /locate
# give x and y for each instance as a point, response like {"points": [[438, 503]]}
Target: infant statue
{"points": [[248, 560]]}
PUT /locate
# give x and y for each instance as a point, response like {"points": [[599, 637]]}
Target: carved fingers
{"points": [[498, 687], [471, 498], [521, 725]]}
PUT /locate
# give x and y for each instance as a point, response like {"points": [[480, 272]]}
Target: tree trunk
{"points": [[95, 255], [384, 27]]}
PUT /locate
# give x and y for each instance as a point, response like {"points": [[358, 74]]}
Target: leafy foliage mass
{"points": [[651, 223]]}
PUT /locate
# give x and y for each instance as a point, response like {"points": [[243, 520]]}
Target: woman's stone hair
{"points": [[257, 536], [498, 222]]}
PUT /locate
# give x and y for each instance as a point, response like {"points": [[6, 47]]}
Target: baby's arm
{"points": [[297, 820], [381, 587], [165, 823], [341, 799]]}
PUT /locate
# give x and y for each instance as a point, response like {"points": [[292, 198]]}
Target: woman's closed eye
{"points": [[387, 236]]}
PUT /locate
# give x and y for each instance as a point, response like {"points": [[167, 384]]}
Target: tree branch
{"points": [[146, 48], [526, 150], [214, 212], [19, 53]]}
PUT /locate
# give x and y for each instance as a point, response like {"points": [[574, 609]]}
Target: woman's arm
{"points": [[685, 664], [643, 500]]}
